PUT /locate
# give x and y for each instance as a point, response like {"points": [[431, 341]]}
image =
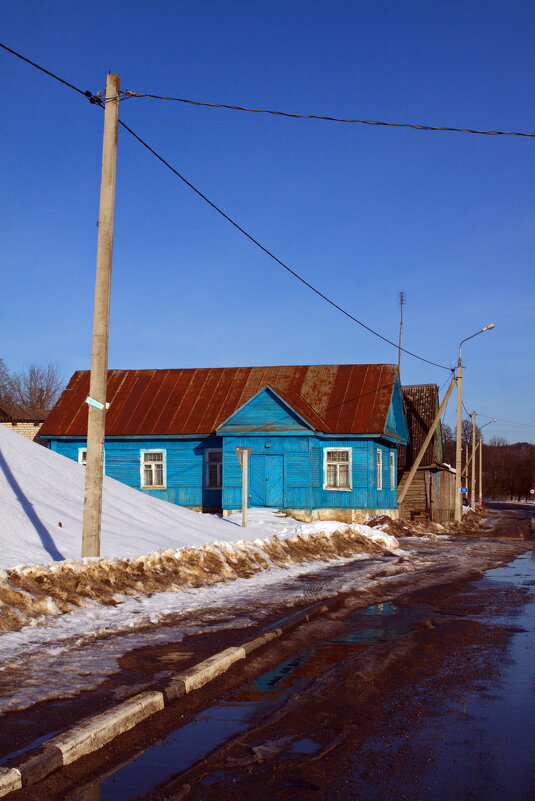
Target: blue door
{"points": [[257, 481], [266, 485], [274, 481]]}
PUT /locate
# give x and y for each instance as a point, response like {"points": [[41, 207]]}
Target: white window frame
{"points": [[350, 470], [392, 470], [84, 461], [207, 468], [142, 468], [379, 469]]}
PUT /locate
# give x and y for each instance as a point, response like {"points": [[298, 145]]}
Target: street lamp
{"points": [[458, 502], [481, 460]]}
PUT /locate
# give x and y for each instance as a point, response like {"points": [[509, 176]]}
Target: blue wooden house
{"points": [[324, 438]]}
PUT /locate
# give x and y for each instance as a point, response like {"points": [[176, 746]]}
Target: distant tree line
{"points": [[35, 389], [508, 469]]}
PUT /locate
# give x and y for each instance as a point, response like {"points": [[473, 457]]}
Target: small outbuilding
{"points": [[324, 438], [432, 491]]}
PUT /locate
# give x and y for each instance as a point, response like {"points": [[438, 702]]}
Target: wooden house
{"points": [[324, 438], [432, 491]]}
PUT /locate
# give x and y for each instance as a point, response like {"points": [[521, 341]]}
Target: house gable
{"points": [[265, 412], [396, 423]]}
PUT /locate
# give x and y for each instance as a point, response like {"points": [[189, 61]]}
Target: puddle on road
{"points": [[188, 744], [38, 741], [504, 714], [482, 745]]}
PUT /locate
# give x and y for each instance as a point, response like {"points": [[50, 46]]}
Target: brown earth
{"points": [[343, 705]]}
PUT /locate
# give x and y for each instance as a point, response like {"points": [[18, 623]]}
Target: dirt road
{"points": [[325, 713]]}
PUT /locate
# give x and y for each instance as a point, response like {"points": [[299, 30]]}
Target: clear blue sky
{"points": [[362, 212]]}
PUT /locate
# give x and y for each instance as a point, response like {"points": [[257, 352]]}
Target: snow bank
{"points": [[148, 545], [29, 595], [40, 489]]}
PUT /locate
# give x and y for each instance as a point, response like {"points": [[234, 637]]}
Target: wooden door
{"points": [[274, 469]]}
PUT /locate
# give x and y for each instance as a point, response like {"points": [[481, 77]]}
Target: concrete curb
{"points": [[99, 730]]}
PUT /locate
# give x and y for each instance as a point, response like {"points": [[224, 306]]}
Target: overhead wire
{"points": [[416, 126], [272, 255], [89, 95], [97, 100]]}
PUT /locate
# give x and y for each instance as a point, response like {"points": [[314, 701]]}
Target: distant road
{"points": [[503, 506]]}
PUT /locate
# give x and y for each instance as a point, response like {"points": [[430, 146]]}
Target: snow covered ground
{"points": [[159, 562], [41, 496], [149, 547]]}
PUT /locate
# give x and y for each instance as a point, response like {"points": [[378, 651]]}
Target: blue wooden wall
{"points": [[286, 467], [284, 471], [185, 466], [301, 460]]}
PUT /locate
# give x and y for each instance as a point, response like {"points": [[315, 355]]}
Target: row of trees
{"points": [[508, 469], [34, 389]]}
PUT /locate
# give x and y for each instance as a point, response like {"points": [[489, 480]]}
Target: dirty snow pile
{"points": [[148, 545]]}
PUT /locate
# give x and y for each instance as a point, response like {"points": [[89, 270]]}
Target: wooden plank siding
{"points": [[288, 416]]}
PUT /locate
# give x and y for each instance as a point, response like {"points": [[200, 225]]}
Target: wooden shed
{"points": [[432, 491], [324, 438]]}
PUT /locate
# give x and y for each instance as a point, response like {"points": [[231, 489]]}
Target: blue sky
{"points": [[361, 212]]}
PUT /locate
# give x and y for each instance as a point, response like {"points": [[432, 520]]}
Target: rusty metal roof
{"points": [[338, 399], [421, 405], [12, 413]]}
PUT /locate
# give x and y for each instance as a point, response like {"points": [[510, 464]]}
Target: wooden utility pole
{"points": [[473, 469], [101, 327], [427, 440]]}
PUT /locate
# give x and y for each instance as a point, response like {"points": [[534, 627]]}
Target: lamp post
{"points": [[481, 461], [458, 451]]}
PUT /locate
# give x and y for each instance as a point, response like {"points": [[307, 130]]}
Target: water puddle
{"points": [[483, 743], [34, 744], [233, 714]]}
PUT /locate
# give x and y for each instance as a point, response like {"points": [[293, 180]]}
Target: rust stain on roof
{"points": [[337, 399]]}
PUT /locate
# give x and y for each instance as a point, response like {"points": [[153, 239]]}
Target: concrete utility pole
{"points": [[101, 327], [458, 444], [473, 473], [481, 471]]}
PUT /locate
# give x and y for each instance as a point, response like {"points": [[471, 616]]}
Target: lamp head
{"points": [[488, 327]]}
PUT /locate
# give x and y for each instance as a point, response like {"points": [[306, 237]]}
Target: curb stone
{"points": [[99, 730]]}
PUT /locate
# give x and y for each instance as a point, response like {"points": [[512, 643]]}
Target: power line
{"points": [[271, 255], [92, 98], [128, 94], [97, 100], [511, 422]]}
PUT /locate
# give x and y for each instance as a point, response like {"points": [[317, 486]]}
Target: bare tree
{"points": [[37, 388], [5, 381]]}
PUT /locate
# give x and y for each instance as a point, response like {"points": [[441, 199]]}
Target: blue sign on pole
{"points": [[464, 489]]}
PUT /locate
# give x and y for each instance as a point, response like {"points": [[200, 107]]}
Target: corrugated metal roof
{"points": [[338, 399], [12, 413], [421, 405]]}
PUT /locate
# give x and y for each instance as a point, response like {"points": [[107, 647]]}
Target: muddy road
{"points": [[420, 686]]}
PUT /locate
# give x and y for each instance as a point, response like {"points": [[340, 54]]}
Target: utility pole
{"points": [[458, 443], [101, 327], [481, 470], [458, 449], [473, 473], [401, 304]]}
